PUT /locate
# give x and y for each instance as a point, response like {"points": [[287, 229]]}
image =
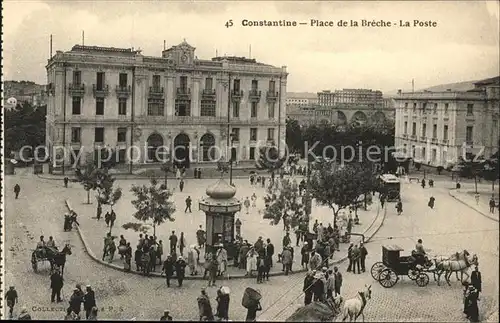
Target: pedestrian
{"points": [[168, 269], [254, 200], [237, 224], [297, 236], [178, 174], [269, 252], [246, 203], [128, 258], [286, 259], [75, 302], [330, 285], [356, 255], [399, 207], [24, 315], [99, 211], [56, 284], [472, 307], [138, 257], [431, 183], [382, 200], [252, 312], [188, 204], [423, 183], [181, 185], [88, 301], [318, 287], [476, 281], [17, 190], [431, 202], [315, 261], [363, 254], [307, 289], [492, 204], [112, 219], [66, 180], [182, 243], [173, 242], [180, 270], [12, 299], [222, 304], [200, 237], [349, 256], [465, 285], [107, 218], [212, 268], [304, 252], [166, 316], [221, 255], [93, 314], [205, 309], [286, 240], [338, 280]]}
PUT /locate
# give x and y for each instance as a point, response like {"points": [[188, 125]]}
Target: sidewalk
{"points": [[92, 233], [467, 197]]}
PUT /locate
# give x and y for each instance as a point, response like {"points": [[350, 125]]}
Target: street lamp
{"points": [[231, 139]]}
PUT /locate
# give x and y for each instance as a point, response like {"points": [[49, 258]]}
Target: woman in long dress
{"points": [[251, 261], [222, 260], [192, 259]]}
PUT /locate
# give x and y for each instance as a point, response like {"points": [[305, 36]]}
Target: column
{"points": [[195, 96], [282, 120], [170, 95], [141, 93]]}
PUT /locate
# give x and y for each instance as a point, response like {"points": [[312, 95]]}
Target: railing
{"points": [[123, 91], [434, 140], [272, 96], [183, 92], [254, 95], [236, 94], [413, 137], [423, 138], [208, 93], [100, 92], [76, 89], [405, 135], [445, 141], [156, 92]]}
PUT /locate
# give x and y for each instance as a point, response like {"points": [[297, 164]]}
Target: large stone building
{"points": [[343, 107], [301, 98], [119, 98], [436, 128]]}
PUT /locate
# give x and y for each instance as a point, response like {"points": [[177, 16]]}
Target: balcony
{"points": [[445, 141], [270, 141], [156, 92], [405, 136], [434, 140], [254, 95], [123, 91], [183, 93], [76, 89], [100, 92], [236, 95], [413, 137], [272, 96], [208, 94], [423, 138]]}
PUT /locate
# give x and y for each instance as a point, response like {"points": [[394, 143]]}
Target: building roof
{"points": [[81, 48], [301, 95], [489, 81]]}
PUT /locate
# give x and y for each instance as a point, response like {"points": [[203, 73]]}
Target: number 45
{"points": [[229, 23]]}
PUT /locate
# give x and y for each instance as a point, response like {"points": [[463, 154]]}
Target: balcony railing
{"points": [[445, 141], [208, 94], [414, 137], [254, 95], [100, 92], [76, 89], [405, 135], [156, 92], [123, 91], [434, 140], [183, 93], [236, 95], [272, 96], [423, 138]]}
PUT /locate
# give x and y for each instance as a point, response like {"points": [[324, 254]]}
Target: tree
{"points": [[294, 135], [106, 194], [269, 159], [153, 204], [87, 177], [490, 171], [338, 186], [285, 201], [471, 167]]}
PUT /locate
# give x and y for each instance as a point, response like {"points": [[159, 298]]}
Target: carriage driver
{"points": [[419, 252], [40, 247]]}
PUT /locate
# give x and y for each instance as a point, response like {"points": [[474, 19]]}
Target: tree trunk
{"points": [[88, 196], [493, 185], [154, 229], [166, 180], [475, 183]]}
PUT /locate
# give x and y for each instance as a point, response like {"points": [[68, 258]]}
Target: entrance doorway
{"points": [[155, 140], [207, 142], [181, 150]]}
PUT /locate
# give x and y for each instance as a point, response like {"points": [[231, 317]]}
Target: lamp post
{"points": [[231, 139]]}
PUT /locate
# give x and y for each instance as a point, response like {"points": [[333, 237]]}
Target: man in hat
{"points": [[88, 301], [471, 302], [269, 252], [168, 269], [180, 270], [338, 280], [56, 284], [307, 289], [12, 299], [315, 261], [17, 190], [330, 284], [204, 306], [173, 242], [318, 287], [75, 302], [363, 254], [166, 316], [304, 251], [475, 280]]}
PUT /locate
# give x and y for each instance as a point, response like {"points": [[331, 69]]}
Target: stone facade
{"points": [[119, 98], [436, 128]]}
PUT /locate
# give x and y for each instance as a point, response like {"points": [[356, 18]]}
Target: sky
{"points": [[464, 46]]}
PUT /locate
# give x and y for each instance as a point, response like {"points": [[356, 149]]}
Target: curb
{"points": [[471, 207], [242, 276]]}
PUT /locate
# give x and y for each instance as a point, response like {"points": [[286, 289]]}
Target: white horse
{"points": [[354, 307], [439, 259], [455, 266]]}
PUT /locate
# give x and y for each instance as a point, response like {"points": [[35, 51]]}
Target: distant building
{"points": [[351, 98], [24, 91], [437, 128], [119, 98], [301, 98]]}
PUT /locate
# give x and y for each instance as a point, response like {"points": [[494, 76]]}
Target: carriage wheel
{"points": [[377, 269], [413, 273], [388, 278], [422, 280]]}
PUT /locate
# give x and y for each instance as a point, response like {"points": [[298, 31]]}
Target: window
{"points": [[236, 109], [469, 132], [255, 84], [424, 129], [445, 132], [155, 107], [406, 127], [99, 106], [433, 155], [76, 105], [156, 82], [122, 153], [207, 108], [414, 129], [121, 135], [122, 106], [77, 77], [446, 105], [270, 133], [253, 111], [99, 134], [76, 135], [182, 108], [253, 134], [470, 108], [424, 154], [272, 86], [413, 151], [100, 81], [434, 131], [236, 134], [252, 153], [414, 107], [405, 148], [236, 85], [406, 105], [424, 106], [184, 82], [208, 83], [122, 80], [435, 110], [271, 110]]}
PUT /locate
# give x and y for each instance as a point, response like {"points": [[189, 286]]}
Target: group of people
{"points": [[320, 285]]}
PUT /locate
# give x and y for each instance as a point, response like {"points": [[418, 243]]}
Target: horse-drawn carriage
{"points": [[55, 257], [393, 265]]}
